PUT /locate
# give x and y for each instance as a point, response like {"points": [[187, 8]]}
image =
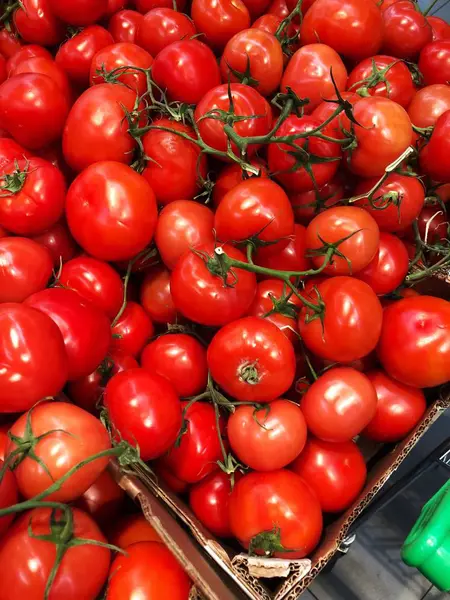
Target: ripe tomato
{"points": [[269, 438], [279, 8], [25, 268], [252, 360], [169, 479], [325, 109], [307, 205], [115, 5], [175, 158], [10, 42], [352, 322], [33, 357], [414, 345], [8, 496], [59, 242], [28, 559], [33, 109], [156, 297], [291, 258], [85, 328], [145, 410], [203, 296], [67, 435], [339, 404], [231, 175], [184, 84], [4, 428], [124, 26], [399, 409], [428, 104], [132, 529], [46, 66], [79, 12], [439, 28], [434, 62], [132, 331], [209, 501], [111, 211], [335, 471], [434, 158], [388, 268], [432, 224], [3, 71], [268, 22], [160, 27], [219, 20], [308, 74], [104, 500], [406, 30], [152, 569], [276, 514], [24, 53], [144, 6], [36, 23], [11, 151], [181, 359]]}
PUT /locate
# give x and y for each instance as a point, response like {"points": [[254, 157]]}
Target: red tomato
{"points": [[209, 501], [278, 502], [352, 322], [173, 157], [10, 151], [104, 500], [25, 53], [145, 410], [335, 471], [69, 435], [339, 404], [406, 30], [36, 23], [429, 104], [156, 297], [181, 359], [279, 8], [25, 268], [79, 12], [325, 109], [85, 328], [414, 345], [388, 268], [256, 7], [28, 560], [252, 360], [267, 439], [400, 408], [33, 357], [268, 22], [439, 28], [59, 242], [111, 211], [232, 175], [4, 428], [3, 72], [150, 568], [115, 5], [10, 43], [219, 20], [124, 26], [187, 70], [132, 529], [308, 74], [161, 27], [434, 62], [434, 158], [432, 224], [169, 479], [33, 109], [8, 496], [203, 296], [132, 331], [45, 66], [307, 205], [143, 6], [292, 257]]}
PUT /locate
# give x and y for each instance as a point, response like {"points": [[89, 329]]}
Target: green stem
{"points": [[8, 10]]}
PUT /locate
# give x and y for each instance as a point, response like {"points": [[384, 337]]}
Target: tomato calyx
{"points": [[376, 77], [282, 306], [248, 373], [282, 34], [246, 76], [14, 182], [267, 542], [424, 132]]}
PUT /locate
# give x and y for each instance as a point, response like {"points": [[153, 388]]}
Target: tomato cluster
{"points": [[213, 218]]}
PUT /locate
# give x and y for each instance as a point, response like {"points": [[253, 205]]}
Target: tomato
{"points": [[279, 8], [132, 331], [335, 471], [10, 42], [169, 479], [181, 359], [25, 53], [308, 74], [432, 224], [414, 345], [33, 357], [306, 4], [3, 72], [10, 151], [434, 62], [268, 22], [400, 408], [278, 502], [383, 134], [145, 410], [434, 158], [256, 7], [231, 175], [219, 20], [59, 242], [187, 70], [104, 500], [85, 328], [79, 12], [124, 54], [388, 268], [33, 109], [144, 6], [156, 297], [25, 268], [307, 204], [353, 28], [383, 76], [124, 26], [439, 28], [246, 102], [161, 27], [132, 529], [429, 104], [115, 5], [252, 360], [111, 211], [205, 297], [339, 404], [291, 258], [352, 323], [45, 66], [406, 30], [4, 428], [152, 569], [174, 157], [209, 501], [28, 559], [36, 23], [325, 110], [8, 496]]}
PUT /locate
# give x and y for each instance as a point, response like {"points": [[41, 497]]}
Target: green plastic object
{"points": [[428, 545]]}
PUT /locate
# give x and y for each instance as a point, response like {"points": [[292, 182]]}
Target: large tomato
{"points": [[36, 23], [46, 66], [406, 30], [209, 500], [124, 26], [132, 330], [219, 20], [159, 28], [434, 158], [8, 496], [156, 297], [388, 268], [434, 62], [428, 104], [79, 12]]}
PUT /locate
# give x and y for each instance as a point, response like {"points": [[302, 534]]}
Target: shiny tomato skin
{"points": [[414, 344], [85, 328], [256, 7], [406, 30], [209, 501], [261, 501], [219, 20], [335, 471], [339, 404], [145, 410], [252, 348], [307, 205], [132, 331], [156, 297], [25, 268], [181, 359], [124, 26], [232, 175], [24, 53], [45, 66], [69, 435], [439, 28], [388, 268], [10, 43], [399, 409], [33, 109], [33, 355], [59, 242], [11, 151], [187, 70], [79, 12], [131, 529], [291, 258], [352, 323], [434, 158], [434, 62], [151, 568], [160, 27], [36, 23], [111, 211], [325, 109], [103, 500], [428, 104], [8, 496], [203, 297]]}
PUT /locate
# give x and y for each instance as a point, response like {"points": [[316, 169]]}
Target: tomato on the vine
{"points": [[428, 104], [209, 500], [124, 26], [406, 30], [36, 23], [219, 20], [160, 27], [388, 268], [156, 297]]}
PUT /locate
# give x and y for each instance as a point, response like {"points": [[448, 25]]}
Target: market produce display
{"points": [[216, 220]]}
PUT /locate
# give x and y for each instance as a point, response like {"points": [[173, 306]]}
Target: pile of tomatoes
{"points": [[214, 215]]}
